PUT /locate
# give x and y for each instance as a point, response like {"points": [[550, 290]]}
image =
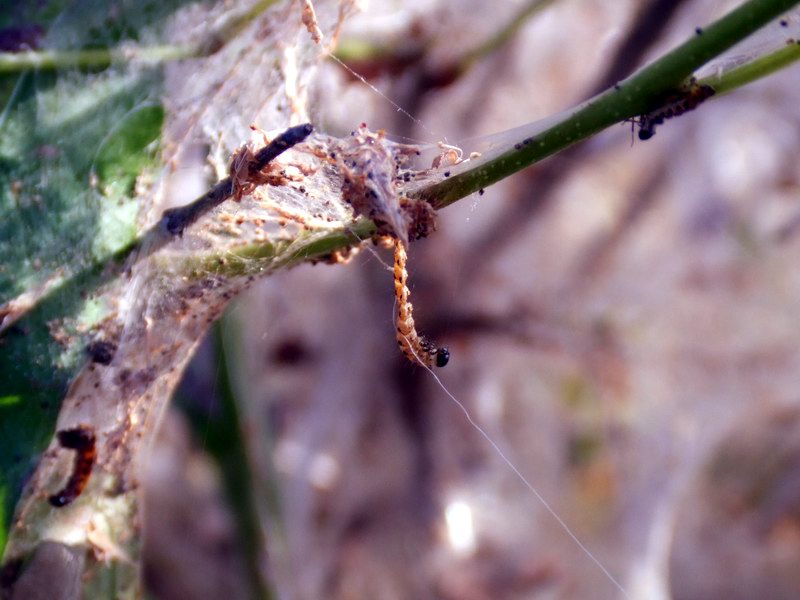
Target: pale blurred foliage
{"points": [[638, 332]]}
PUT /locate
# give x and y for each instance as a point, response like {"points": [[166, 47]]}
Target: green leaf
{"points": [[72, 145]]}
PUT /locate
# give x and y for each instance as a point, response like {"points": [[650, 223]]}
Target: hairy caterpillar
{"points": [[82, 440], [373, 169], [416, 348]]}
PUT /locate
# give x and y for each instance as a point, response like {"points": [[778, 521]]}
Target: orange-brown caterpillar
{"points": [[416, 348], [82, 440]]}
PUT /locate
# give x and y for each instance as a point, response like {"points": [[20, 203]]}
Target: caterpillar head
{"points": [[442, 356]]}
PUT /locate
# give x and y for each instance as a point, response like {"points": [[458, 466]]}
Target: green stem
{"points": [[263, 492], [253, 258], [505, 34], [49, 60], [352, 50], [224, 440], [637, 95], [641, 93], [756, 69], [95, 58], [230, 26]]}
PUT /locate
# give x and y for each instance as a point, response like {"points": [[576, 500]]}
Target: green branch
{"points": [[96, 58], [640, 94], [762, 66], [224, 438], [354, 50], [504, 35], [92, 58]]}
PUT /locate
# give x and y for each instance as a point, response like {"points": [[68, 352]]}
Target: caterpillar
{"points": [[82, 440], [687, 100], [416, 348], [371, 168]]}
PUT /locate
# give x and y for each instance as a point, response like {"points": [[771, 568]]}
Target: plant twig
{"points": [[506, 33], [762, 66], [637, 95], [641, 93], [91, 58], [177, 219], [535, 194], [225, 440], [95, 58]]}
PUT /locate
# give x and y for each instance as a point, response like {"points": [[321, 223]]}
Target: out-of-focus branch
{"points": [[95, 58], [503, 36], [536, 192], [647, 90], [762, 66]]}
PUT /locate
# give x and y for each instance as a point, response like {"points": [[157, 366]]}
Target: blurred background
{"points": [[622, 322]]}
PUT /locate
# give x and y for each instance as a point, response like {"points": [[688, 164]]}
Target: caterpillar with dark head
{"points": [[81, 439], [373, 170], [688, 99], [416, 348]]}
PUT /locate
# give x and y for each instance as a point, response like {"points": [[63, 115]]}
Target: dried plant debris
{"points": [[249, 169], [321, 185], [318, 187], [373, 170], [310, 20]]}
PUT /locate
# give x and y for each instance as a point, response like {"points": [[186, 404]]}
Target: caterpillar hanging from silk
{"points": [[416, 348]]}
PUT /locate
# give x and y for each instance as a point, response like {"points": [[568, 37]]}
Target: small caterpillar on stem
{"points": [[688, 99], [416, 348]]}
